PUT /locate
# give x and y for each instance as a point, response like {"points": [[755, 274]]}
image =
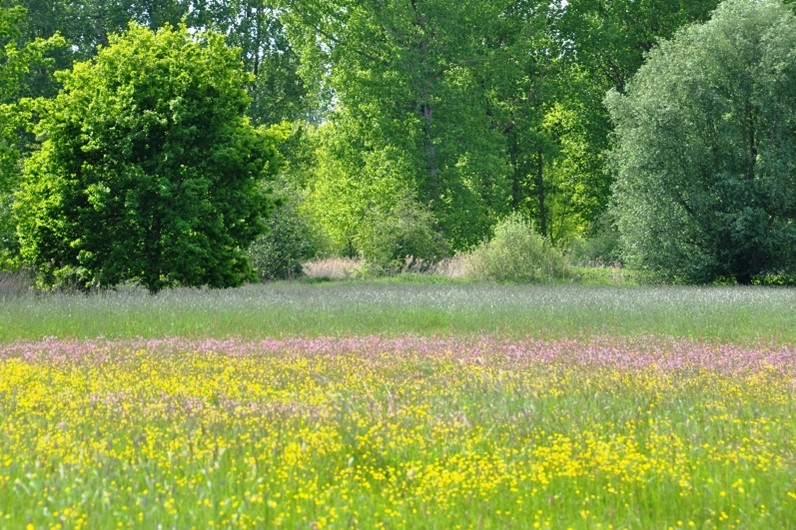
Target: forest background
{"points": [[407, 131]]}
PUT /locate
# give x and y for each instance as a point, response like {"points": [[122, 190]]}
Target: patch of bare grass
{"points": [[333, 268], [456, 267], [15, 283]]}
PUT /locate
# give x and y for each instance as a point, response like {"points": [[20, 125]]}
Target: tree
{"points": [[610, 37], [147, 169], [486, 106], [409, 92], [705, 152], [17, 59], [602, 43], [290, 240], [252, 25]]}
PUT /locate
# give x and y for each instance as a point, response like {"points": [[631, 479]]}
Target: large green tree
{"points": [[706, 148], [407, 86], [147, 169], [602, 44]]}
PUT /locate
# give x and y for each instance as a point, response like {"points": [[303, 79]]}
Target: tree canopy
{"points": [[18, 57], [147, 168], [706, 148], [407, 126]]}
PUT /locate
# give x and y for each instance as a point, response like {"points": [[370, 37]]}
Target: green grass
{"points": [[731, 314], [471, 431], [193, 435]]}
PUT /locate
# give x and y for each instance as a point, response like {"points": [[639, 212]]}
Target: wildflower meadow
{"points": [[398, 432]]}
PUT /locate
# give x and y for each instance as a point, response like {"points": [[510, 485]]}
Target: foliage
{"points": [[17, 58], [516, 253], [600, 248], [609, 38], [289, 242], [706, 149], [409, 105], [601, 43], [290, 239], [486, 107], [466, 110], [404, 238], [253, 25], [278, 93], [147, 170], [362, 205], [346, 185]]}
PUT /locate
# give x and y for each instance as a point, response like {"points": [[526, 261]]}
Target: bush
{"points": [[404, 239], [601, 248], [289, 243], [517, 253]]}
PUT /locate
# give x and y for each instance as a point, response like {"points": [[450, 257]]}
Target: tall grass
{"points": [[409, 433], [734, 314]]}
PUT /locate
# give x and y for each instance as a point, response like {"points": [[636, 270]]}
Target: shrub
{"points": [[517, 253], [289, 243], [403, 239], [601, 248]]}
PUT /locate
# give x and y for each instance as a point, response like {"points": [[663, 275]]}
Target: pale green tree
{"points": [[706, 149], [407, 84]]}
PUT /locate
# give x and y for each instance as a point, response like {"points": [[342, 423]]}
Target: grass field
{"points": [[734, 314], [354, 405]]}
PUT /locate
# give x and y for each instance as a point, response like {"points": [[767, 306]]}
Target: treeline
{"points": [[403, 128]]}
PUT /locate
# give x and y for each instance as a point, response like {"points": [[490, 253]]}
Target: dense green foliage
{"points": [[706, 149], [516, 252], [17, 59], [252, 25], [408, 117], [288, 243], [410, 128], [606, 41], [147, 169], [478, 109]]}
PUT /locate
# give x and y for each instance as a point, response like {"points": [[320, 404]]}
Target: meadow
{"points": [[373, 405], [732, 314]]}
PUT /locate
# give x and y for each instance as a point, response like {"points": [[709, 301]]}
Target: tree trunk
{"points": [[426, 111], [540, 194]]}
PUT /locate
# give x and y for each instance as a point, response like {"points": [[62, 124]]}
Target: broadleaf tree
{"points": [[17, 58], [705, 152], [406, 85], [147, 170], [602, 44]]}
